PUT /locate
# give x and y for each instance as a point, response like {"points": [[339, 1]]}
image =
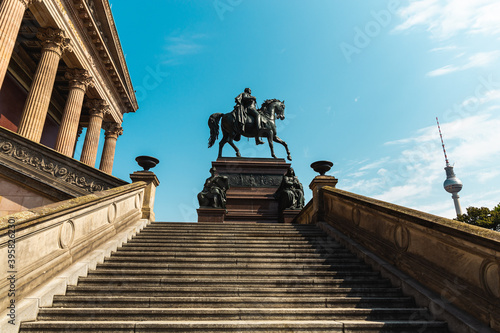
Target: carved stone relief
{"points": [[253, 180], [36, 160]]}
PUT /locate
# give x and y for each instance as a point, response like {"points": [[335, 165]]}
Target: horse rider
{"points": [[246, 104]]}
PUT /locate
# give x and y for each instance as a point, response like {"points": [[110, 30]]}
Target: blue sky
{"points": [[363, 82]]}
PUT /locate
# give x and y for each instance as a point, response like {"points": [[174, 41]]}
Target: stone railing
{"points": [[47, 170], [46, 248], [306, 214], [457, 261]]}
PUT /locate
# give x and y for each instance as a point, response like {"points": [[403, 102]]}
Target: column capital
{"points": [[54, 39], [78, 78], [98, 107], [28, 3], [112, 130]]}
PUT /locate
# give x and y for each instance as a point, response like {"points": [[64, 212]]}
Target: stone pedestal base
{"points": [[213, 215], [149, 193], [252, 184], [288, 215], [317, 184]]}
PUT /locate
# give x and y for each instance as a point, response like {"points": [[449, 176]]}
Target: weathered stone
{"points": [[263, 277], [457, 261]]}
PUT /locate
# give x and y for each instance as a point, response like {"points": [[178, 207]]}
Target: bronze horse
{"points": [[269, 109]]}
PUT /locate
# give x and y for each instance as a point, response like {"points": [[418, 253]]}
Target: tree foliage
{"points": [[482, 217]]}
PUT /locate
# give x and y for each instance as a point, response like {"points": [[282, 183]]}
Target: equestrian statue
{"points": [[246, 120]]}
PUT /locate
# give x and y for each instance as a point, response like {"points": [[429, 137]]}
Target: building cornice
{"points": [[90, 22], [112, 83]]}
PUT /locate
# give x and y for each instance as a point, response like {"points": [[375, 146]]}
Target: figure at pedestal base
{"points": [[253, 182]]}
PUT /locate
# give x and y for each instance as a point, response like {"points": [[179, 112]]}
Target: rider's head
{"points": [[248, 90]]}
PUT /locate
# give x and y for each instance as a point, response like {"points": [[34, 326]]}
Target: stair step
{"points": [[241, 277], [273, 243], [218, 291], [217, 260], [107, 301], [225, 282], [124, 251], [237, 326], [235, 247], [224, 226], [243, 249], [162, 314], [235, 266], [263, 274], [239, 233]]}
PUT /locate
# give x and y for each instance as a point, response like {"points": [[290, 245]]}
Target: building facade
{"points": [[62, 69]]}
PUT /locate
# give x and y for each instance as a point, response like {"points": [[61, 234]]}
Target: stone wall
{"points": [[457, 261], [47, 171], [49, 239], [15, 198]]}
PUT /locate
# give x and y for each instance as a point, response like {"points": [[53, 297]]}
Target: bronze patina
{"points": [[246, 120], [290, 194], [214, 191]]}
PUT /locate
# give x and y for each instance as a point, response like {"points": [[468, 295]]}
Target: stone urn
{"points": [[147, 162], [322, 167]]}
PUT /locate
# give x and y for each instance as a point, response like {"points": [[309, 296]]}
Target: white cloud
{"points": [[443, 70], [480, 59], [443, 48], [487, 175], [446, 18], [180, 44], [356, 174], [375, 164], [413, 177]]}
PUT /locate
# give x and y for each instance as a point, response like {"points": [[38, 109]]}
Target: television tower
{"points": [[452, 184]]}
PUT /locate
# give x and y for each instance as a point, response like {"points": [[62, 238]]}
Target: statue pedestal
{"points": [[252, 184], [211, 215]]}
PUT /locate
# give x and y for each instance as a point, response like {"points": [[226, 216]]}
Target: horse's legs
{"points": [[230, 140], [270, 140], [222, 142], [278, 140]]}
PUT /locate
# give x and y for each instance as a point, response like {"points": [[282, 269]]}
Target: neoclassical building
{"points": [[62, 69]]}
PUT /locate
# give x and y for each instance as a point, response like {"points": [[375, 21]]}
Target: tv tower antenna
{"points": [[452, 184]]}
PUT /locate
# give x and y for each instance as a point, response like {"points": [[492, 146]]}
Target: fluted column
{"points": [[79, 79], [112, 131], [11, 16], [97, 109], [78, 133], [54, 43]]}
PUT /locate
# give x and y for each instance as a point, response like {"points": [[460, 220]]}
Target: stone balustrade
{"points": [[53, 245], [458, 262], [306, 214]]}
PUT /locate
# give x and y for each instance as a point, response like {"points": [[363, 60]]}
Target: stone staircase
{"points": [[188, 277]]}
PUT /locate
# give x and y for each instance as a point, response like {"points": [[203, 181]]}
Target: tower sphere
{"points": [[453, 185]]}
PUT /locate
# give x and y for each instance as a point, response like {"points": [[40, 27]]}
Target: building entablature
{"points": [[61, 69], [92, 49]]}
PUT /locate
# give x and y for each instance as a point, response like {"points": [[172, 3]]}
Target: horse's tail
{"points": [[213, 123]]}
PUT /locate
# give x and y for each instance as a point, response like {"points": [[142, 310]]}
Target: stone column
{"points": [[11, 16], [112, 131], [78, 133], [97, 109], [35, 110], [79, 79]]}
